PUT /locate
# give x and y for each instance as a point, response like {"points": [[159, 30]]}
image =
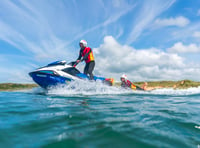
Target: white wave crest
{"points": [[80, 87], [171, 91]]}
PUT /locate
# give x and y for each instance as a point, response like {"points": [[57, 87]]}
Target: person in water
{"points": [[86, 54], [125, 83]]}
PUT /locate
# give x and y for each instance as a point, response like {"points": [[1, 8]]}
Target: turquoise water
{"points": [[100, 117]]}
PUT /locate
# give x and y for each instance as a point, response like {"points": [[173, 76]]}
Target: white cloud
{"points": [[145, 16], [180, 48], [198, 12], [196, 34], [185, 34], [114, 59], [115, 17], [37, 32], [116, 3], [178, 21], [51, 47], [17, 74], [31, 32]]}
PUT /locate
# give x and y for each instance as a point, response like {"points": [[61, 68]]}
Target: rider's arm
{"points": [[79, 57]]}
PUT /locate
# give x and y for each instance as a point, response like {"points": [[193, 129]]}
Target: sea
{"points": [[98, 116]]}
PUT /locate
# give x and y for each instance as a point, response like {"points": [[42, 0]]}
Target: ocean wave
{"points": [[177, 92]]}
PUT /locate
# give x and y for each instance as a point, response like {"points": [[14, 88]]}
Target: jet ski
{"points": [[59, 72]]}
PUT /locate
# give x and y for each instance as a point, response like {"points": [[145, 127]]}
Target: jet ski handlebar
{"points": [[74, 63]]}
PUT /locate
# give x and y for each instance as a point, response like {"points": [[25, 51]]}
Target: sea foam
{"points": [[98, 88]]}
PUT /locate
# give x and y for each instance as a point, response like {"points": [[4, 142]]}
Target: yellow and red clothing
{"points": [[128, 84], [86, 54]]}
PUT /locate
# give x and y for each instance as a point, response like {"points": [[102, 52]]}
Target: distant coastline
{"points": [[183, 84], [16, 86]]}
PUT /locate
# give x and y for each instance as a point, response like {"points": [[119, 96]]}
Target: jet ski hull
{"points": [[60, 73], [48, 80]]}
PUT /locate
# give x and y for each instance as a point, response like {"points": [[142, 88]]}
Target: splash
{"points": [[81, 88], [177, 92], [197, 127]]}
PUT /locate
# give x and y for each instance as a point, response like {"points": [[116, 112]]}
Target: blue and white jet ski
{"points": [[60, 72]]}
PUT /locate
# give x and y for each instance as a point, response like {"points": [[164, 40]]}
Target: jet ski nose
{"points": [[30, 74]]}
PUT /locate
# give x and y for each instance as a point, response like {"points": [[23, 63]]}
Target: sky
{"points": [[148, 40]]}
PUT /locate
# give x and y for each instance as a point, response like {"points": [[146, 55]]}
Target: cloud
{"points": [[185, 34], [114, 59], [50, 47], [198, 12], [16, 75], [112, 19], [180, 48], [178, 21], [145, 17], [46, 34], [42, 33], [196, 34], [16, 71], [116, 3], [33, 32]]}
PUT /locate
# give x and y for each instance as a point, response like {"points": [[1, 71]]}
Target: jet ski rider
{"points": [[86, 55]]}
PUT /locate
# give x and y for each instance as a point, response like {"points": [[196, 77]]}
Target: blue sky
{"points": [[146, 39]]}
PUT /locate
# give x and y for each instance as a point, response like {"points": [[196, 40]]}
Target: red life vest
{"points": [[129, 84], [90, 56]]}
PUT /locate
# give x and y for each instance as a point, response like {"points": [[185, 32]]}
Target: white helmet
{"points": [[124, 76], [83, 42]]}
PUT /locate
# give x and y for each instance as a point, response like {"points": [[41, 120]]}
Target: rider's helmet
{"points": [[124, 77], [83, 42]]}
